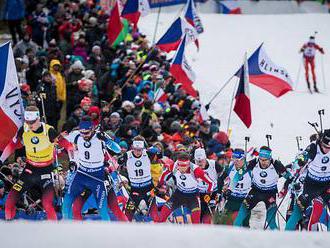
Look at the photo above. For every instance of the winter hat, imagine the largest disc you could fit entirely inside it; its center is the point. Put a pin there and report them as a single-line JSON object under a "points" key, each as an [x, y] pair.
{"points": [[127, 104], [115, 114], [129, 119], [200, 154], [77, 65], [221, 137], [94, 109], [138, 101], [85, 83], [88, 74], [123, 144], [92, 21]]}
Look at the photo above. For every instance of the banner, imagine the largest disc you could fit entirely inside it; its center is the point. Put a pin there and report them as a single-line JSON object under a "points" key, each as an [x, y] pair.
{"points": [[162, 3]]}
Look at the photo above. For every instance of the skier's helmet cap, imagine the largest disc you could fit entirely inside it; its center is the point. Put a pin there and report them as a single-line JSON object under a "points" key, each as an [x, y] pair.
{"points": [[265, 152], [183, 159], [326, 138], [200, 154], [138, 144], [85, 125], [238, 153], [31, 114]]}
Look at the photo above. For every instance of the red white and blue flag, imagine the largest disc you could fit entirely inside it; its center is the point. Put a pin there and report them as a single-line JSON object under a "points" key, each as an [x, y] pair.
{"points": [[230, 7], [267, 75], [133, 9], [173, 36], [160, 95], [242, 105], [181, 70], [11, 110], [192, 18]]}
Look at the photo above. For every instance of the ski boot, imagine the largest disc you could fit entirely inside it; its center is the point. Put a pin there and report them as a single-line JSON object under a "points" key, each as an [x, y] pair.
{"points": [[316, 89], [309, 87]]}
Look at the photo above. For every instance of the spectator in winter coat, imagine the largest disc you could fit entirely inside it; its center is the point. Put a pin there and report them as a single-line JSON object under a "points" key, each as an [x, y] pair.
{"points": [[14, 13], [55, 70], [21, 47], [94, 112], [72, 79], [47, 90]]}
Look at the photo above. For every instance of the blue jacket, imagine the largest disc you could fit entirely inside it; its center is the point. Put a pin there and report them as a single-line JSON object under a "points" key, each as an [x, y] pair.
{"points": [[14, 10]]}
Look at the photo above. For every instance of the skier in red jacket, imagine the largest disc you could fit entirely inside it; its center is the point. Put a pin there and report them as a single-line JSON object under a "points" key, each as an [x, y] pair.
{"points": [[309, 50]]}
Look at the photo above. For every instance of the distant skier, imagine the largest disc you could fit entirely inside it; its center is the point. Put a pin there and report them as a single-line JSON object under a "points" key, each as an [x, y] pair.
{"points": [[309, 50]]}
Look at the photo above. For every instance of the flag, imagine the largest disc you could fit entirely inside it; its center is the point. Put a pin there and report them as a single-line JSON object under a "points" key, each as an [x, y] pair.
{"points": [[11, 109], [242, 105], [181, 70], [133, 9], [192, 18], [230, 7], [115, 26], [203, 115], [160, 95], [267, 75], [173, 36]]}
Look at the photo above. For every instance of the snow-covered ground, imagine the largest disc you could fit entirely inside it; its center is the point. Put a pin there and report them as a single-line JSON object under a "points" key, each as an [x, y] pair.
{"points": [[222, 48], [88, 235]]}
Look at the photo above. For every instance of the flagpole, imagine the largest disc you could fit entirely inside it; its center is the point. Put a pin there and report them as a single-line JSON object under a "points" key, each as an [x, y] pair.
{"points": [[231, 105], [156, 26], [215, 96]]}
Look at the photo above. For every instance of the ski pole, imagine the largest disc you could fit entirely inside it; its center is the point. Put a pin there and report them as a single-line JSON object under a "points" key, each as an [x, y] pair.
{"points": [[321, 112], [299, 138], [268, 137], [298, 74], [277, 210], [315, 126]]}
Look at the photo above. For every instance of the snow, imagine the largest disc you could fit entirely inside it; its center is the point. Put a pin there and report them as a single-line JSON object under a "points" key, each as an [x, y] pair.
{"points": [[222, 47], [96, 234]]}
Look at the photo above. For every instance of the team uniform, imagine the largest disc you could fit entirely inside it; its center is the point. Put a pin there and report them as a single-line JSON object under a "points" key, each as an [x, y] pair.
{"points": [[186, 193], [309, 51], [239, 185], [90, 175], [316, 184], [208, 200], [39, 148], [138, 171], [263, 188]]}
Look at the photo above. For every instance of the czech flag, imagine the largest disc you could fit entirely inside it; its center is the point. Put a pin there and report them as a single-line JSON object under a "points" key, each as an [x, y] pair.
{"points": [[181, 71], [230, 7], [133, 9], [160, 95], [192, 18], [11, 106], [242, 105], [173, 36], [267, 75]]}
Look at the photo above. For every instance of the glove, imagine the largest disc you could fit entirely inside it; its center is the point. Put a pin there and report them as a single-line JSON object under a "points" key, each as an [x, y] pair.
{"points": [[72, 166], [207, 198], [297, 186], [227, 193], [101, 136], [212, 203]]}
